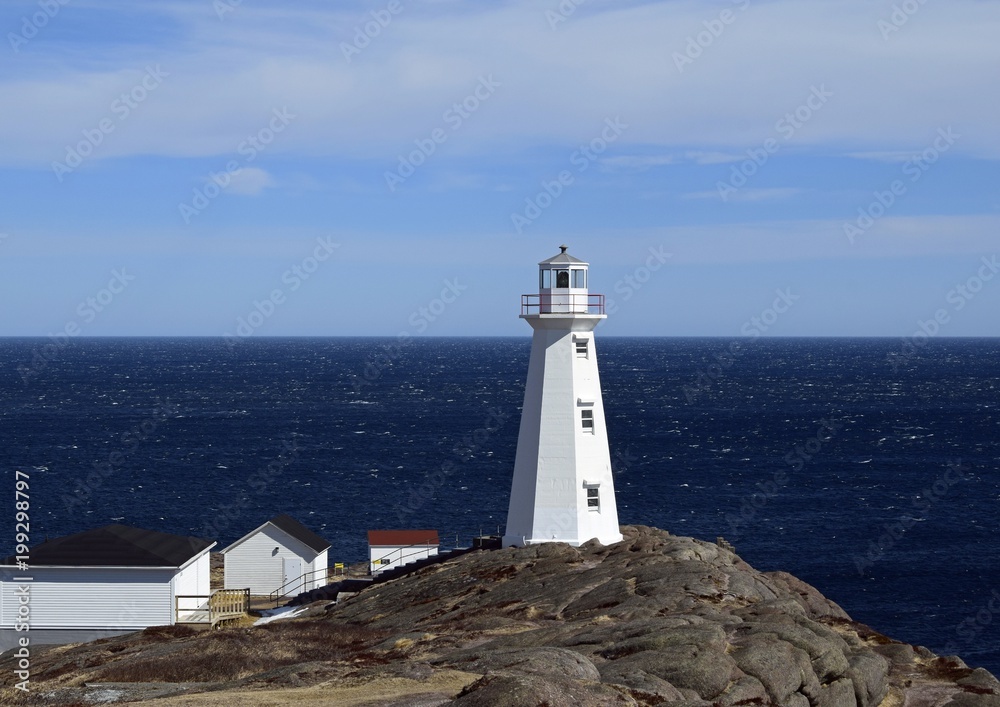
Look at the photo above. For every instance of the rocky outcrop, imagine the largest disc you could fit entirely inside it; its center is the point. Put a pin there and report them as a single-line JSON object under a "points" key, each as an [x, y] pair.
{"points": [[653, 620]]}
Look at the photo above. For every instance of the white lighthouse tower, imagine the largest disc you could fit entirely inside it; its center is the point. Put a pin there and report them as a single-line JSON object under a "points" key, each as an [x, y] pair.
{"points": [[563, 489]]}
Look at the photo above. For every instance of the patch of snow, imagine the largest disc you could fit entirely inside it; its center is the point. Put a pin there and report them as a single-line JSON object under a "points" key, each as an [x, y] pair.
{"points": [[284, 612]]}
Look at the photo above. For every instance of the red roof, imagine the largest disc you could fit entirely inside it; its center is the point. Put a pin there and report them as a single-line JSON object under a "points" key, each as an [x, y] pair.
{"points": [[402, 538]]}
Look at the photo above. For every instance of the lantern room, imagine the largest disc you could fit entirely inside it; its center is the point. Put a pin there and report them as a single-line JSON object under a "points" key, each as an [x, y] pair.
{"points": [[563, 288]]}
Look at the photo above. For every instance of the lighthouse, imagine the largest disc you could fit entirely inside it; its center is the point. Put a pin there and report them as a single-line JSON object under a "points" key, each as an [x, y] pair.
{"points": [[563, 490]]}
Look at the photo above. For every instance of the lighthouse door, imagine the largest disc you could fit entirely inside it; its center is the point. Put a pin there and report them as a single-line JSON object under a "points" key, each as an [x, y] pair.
{"points": [[292, 567]]}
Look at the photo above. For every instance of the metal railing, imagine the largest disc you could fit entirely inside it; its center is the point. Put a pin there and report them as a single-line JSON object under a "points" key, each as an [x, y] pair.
{"points": [[288, 587], [562, 304], [283, 591], [418, 549]]}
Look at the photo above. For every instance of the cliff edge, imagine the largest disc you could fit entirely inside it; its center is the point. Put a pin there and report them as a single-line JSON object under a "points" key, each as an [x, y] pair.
{"points": [[653, 620]]}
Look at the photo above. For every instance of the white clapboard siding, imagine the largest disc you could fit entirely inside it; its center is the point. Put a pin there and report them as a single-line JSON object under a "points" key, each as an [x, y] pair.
{"points": [[91, 597], [319, 566], [256, 562], [194, 578]]}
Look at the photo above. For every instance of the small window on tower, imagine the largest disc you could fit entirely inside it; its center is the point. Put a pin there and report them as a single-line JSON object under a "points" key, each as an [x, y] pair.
{"points": [[579, 278], [587, 417], [594, 499], [582, 348], [562, 278], [546, 282]]}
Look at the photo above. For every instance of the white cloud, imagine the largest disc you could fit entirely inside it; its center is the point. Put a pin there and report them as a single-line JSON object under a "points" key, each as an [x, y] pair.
{"points": [[637, 162], [706, 158], [558, 85], [747, 195], [250, 181]]}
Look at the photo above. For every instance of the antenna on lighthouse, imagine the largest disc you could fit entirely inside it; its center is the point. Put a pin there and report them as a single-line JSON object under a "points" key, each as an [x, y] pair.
{"points": [[563, 490]]}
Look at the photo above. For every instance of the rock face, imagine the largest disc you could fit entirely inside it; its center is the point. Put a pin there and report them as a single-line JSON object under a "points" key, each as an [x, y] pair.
{"points": [[653, 620], [657, 619]]}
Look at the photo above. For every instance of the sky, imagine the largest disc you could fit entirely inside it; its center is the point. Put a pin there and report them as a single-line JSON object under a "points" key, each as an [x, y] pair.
{"points": [[305, 168]]}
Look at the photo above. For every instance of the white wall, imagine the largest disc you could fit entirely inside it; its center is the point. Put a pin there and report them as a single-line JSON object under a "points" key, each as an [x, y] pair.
{"points": [[254, 563], [91, 598], [193, 580], [194, 577], [555, 457], [320, 564]]}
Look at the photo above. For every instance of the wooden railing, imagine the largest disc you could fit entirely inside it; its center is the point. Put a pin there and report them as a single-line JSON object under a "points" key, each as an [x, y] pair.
{"points": [[212, 609]]}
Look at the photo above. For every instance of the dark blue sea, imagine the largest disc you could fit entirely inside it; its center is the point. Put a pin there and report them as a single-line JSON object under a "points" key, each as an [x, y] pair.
{"points": [[868, 469]]}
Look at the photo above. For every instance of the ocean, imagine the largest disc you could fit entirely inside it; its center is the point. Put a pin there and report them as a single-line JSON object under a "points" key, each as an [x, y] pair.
{"points": [[867, 467]]}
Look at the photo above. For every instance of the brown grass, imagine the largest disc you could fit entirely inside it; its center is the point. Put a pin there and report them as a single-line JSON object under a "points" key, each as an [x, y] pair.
{"points": [[234, 654], [947, 670]]}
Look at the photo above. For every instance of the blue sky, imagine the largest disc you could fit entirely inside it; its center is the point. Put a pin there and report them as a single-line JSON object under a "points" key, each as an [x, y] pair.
{"points": [[843, 152]]}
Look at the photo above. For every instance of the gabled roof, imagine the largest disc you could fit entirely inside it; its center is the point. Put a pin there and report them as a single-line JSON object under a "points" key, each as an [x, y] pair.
{"points": [[289, 525], [563, 258], [117, 546], [403, 538], [300, 532]]}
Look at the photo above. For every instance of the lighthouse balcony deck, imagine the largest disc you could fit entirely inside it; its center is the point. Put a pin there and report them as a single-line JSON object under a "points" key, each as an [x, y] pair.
{"points": [[569, 303]]}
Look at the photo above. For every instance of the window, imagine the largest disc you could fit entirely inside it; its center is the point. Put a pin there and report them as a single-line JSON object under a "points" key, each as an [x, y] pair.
{"points": [[582, 348], [562, 278], [587, 418], [594, 499], [546, 282], [579, 278]]}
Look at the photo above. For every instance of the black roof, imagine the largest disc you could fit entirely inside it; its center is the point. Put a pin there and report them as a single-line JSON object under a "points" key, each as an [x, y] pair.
{"points": [[300, 532], [117, 545]]}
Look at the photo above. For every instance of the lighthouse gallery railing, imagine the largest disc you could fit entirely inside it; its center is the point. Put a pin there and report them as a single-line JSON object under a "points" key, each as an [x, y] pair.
{"points": [[562, 304]]}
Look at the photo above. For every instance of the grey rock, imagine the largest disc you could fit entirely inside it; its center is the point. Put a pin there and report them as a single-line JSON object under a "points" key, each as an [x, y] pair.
{"points": [[815, 604], [837, 694], [982, 680], [779, 666], [968, 699], [691, 667], [708, 636], [530, 661], [640, 681], [509, 690], [900, 653], [609, 594], [746, 690], [869, 672]]}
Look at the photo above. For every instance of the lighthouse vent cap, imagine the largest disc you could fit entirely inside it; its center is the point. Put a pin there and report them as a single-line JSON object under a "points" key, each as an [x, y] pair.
{"points": [[563, 258]]}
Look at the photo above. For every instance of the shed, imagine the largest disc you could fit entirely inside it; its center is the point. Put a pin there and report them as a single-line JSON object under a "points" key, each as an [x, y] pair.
{"points": [[393, 548], [282, 554], [111, 578]]}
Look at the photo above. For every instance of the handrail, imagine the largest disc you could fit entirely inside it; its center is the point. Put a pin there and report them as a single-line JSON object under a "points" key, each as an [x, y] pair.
{"points": [[277, 593], [426, 544], [562, 303]]}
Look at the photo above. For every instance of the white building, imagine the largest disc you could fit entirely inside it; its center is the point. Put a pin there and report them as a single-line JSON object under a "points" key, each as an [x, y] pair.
{"points": [[282, 554], [563, 489], [393, 548], [111, 578]]}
